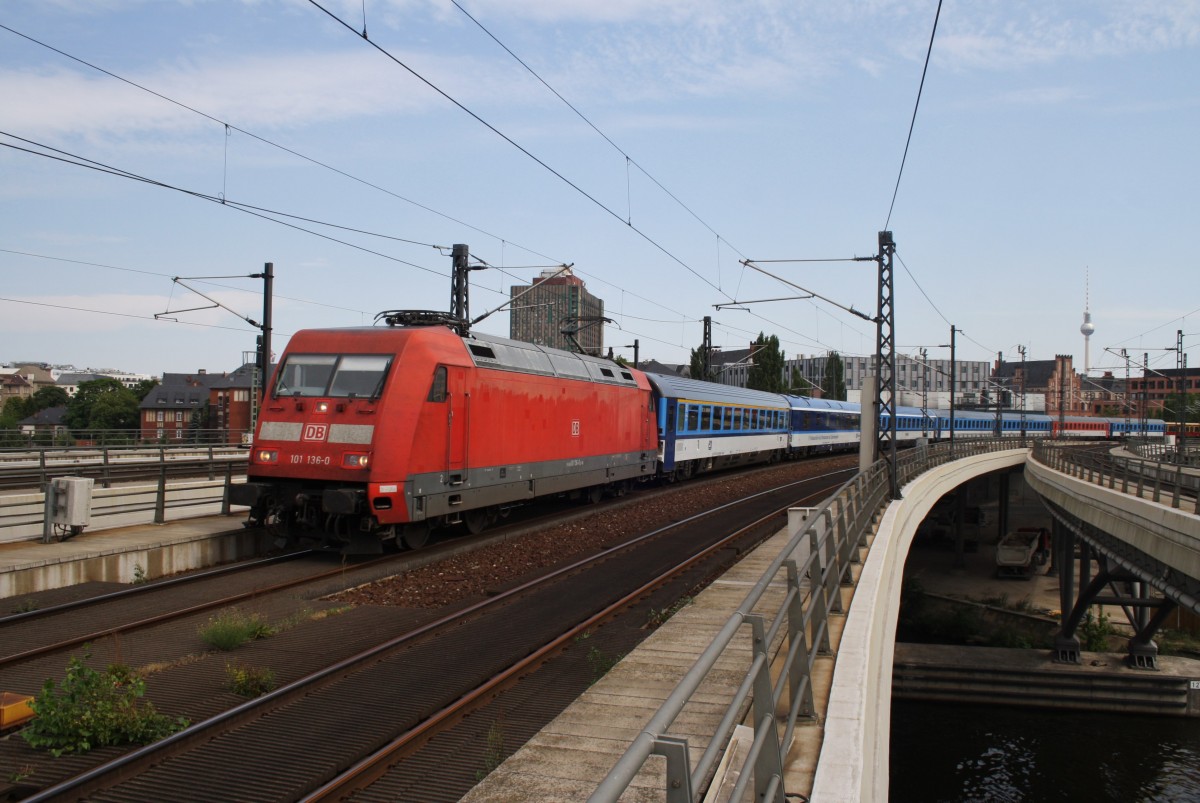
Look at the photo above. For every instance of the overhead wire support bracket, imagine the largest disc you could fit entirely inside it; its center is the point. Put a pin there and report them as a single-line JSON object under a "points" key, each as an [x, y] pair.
{"points": [[179, 281], [749, 263], [737, 304], [561, 269], [263, 364]]}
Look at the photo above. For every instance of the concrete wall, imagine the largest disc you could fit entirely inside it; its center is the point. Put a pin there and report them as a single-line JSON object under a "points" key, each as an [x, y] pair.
{"points": [[853, 765]]}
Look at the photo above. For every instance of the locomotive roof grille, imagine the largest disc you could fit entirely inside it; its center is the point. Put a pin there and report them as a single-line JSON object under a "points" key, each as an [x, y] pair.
{"points": [[489, 351]]}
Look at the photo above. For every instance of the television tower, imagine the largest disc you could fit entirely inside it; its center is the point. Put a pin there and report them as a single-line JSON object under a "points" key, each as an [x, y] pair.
{"points": [[1087, 327]]}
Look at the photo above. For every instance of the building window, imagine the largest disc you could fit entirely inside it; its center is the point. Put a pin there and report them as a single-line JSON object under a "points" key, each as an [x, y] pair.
{"points": [[159, 418]]}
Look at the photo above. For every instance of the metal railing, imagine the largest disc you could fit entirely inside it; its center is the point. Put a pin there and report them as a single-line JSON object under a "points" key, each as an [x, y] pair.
{"points": [[1162, 482], [822, 553], [23, 516], [62, 437], [33, 468], [1168, 453]]}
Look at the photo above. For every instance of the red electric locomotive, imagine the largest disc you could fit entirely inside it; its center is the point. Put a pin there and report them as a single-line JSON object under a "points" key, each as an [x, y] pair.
{"points": [[381, 433]]}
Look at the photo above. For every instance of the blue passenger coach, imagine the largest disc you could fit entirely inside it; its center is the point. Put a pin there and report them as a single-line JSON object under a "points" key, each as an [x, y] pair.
{"points": [[703, 426], [823, 425]]}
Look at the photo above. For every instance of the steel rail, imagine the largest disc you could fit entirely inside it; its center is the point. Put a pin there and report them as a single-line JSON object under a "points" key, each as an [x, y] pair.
{"points": [[136, 761], [374, 766]]}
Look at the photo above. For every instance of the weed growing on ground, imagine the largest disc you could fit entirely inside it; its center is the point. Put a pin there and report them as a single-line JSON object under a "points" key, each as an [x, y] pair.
{"points": [[232, 628], [139, 575], [601, 663], [494, 753], [1177, 642], [656, 618], [249, 681], [20, 774]]}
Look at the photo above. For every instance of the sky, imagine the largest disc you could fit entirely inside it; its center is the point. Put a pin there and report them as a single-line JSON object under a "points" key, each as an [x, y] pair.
{"points": [[655, 146]]}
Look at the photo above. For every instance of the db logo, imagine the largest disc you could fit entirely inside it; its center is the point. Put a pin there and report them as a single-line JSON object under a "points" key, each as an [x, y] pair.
{"points": [[315, 432], [575, 429]]}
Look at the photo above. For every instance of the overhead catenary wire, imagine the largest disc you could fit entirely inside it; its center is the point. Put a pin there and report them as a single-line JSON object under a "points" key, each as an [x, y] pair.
{"points": [[597, 202], [228, 126], [629, 160], [80, 161], [168, 276], [913, 122], [267, 213], [151, 318]]}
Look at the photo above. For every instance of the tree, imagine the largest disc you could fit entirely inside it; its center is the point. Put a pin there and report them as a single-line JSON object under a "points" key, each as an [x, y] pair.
{"points": [[102, 404], [143, 388], [835, 377], [114, 411], [15, 408], [766, 373], [47, 397], [696, 367], [798, 385], [1191, 407]]}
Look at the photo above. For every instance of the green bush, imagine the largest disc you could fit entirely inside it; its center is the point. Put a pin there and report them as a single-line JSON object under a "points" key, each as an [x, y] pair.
{"points": [[1094, 632], [95, 709], [233, 628]]}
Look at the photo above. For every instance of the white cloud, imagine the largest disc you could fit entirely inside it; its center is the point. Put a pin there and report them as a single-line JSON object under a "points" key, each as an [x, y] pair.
{"points": [[1007, 34]]}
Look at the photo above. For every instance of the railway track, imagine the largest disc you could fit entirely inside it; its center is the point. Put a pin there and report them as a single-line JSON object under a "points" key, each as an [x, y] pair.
{"points": [[357, 679]]}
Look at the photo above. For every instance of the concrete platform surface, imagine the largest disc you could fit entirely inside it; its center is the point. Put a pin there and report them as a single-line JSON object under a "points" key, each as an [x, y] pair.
{"points": [[123, 554]]}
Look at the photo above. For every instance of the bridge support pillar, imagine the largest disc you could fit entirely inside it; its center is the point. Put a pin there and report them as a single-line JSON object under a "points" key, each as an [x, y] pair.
{"points": [[1066, 643], [1143, 654], [1066, 649]]}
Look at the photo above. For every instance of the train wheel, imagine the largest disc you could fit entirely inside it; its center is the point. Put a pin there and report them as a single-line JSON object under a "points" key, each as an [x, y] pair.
{"points": [[594, 494], [416, 535], [476, 521]]}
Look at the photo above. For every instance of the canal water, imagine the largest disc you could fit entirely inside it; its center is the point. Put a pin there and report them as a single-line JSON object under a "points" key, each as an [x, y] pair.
{"points": [[953, 752]]}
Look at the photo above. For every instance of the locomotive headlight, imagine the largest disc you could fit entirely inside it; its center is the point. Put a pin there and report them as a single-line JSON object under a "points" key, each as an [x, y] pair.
{"points": [[322, 407], [355, 460], [266, 456]]}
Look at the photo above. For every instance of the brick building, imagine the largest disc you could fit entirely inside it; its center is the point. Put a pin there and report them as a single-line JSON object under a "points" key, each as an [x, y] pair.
{"points": [[206, 407], [1151, 390]]}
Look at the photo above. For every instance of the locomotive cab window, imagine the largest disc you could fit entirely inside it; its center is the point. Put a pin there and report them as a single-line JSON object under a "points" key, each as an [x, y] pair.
{"points": [[437, 391], [360, 376], [347, 376], [305, 374]]}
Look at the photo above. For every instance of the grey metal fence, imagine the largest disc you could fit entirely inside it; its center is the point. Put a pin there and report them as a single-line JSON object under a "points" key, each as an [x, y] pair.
{"points": [[1167, 483], [816, 561]]}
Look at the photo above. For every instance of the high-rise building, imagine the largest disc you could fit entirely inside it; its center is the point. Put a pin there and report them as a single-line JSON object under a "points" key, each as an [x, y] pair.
{"points": [[557, 310]]}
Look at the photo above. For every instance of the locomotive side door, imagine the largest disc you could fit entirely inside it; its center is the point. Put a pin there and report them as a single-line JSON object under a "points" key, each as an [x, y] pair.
{"points": [[458, 420]]}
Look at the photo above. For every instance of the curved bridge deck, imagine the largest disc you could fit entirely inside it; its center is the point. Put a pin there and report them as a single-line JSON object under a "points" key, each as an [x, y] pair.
{"points": [[841, 751]]}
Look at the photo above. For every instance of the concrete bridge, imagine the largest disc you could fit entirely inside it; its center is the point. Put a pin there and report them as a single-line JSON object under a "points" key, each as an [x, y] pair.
{"points": [[1120, 514]]}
